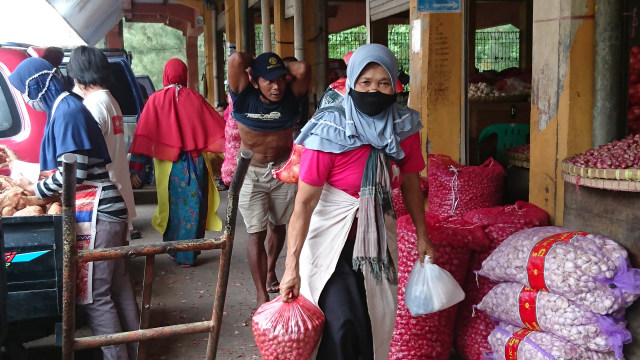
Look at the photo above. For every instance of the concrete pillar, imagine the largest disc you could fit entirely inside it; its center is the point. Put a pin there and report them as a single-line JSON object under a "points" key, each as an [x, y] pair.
{"points": [[437, 91], [606, 92], [283, 29], [561, 95], [298, 30], [315, 48], [265, 14]]}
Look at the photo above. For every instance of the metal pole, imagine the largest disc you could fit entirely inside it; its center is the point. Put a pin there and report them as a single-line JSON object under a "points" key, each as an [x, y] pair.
{"points": [[225, 256], [607, 72], [69, 253], [298, 30], [265, 13], [145, 314]]}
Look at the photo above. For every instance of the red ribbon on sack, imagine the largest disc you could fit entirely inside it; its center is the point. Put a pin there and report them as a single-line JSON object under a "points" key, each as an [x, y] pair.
{"points": [[528, 314], [511, 348], [535, 267]]}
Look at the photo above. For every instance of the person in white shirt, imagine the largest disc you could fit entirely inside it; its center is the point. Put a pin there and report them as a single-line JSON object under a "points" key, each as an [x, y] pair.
{"points": [[89, 69]]}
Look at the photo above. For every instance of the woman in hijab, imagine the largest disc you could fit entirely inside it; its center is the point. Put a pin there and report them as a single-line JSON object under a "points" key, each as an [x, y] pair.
{"points": [[181, 132], [104, 287], [341, 251]]}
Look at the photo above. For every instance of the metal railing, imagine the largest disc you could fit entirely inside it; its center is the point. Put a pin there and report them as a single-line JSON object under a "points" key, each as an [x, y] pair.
{"points": [[72, 257], [497, 50]]}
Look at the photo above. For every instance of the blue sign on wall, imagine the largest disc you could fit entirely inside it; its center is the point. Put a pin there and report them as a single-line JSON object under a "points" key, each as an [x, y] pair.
{"points": [[435, 6]]}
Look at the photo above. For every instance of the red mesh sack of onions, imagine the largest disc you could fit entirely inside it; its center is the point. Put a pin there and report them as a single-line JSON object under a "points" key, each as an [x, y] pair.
{"points": [[426, 337], [231, 146], [456, 189], [473, 327], [501, 222], [591, 270], [456, 231], [543, 311], [619, 154], [398, 202], [285, 331], [289, 171], [514, 343]]}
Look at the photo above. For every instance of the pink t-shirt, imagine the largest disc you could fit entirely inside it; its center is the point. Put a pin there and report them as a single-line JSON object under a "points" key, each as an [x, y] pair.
{"points": [[344, 171]]}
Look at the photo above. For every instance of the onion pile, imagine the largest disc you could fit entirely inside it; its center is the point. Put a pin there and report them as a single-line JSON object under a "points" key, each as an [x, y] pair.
{"points": [[455, 189], [540, 346], [556, 315], [284, 331], [288, 173], [585, 270], [426, 337], [231, 146], [521, 149], [619, 154]]}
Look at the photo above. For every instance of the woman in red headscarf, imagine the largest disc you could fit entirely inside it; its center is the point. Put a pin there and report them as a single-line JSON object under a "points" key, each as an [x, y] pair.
{"points": [[181, 132]]}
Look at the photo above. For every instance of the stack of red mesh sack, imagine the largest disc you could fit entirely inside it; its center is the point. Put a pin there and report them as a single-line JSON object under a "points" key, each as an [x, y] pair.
{"points": [[454, 189], [498, 223], [231, 145]]}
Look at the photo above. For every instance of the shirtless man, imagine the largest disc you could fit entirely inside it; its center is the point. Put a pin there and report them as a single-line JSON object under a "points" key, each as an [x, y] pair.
{"points": [[266, 108]]}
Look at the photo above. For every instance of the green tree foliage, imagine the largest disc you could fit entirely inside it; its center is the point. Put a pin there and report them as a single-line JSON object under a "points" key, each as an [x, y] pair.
{"points": [[152, 44]]}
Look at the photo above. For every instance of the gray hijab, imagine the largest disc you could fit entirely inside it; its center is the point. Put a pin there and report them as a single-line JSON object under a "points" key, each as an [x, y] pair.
{"points": [[337, 129]]}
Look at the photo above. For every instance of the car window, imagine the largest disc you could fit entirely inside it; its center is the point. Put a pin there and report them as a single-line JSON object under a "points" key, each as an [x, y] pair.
{"points": [[10, 123], [120, 88]]}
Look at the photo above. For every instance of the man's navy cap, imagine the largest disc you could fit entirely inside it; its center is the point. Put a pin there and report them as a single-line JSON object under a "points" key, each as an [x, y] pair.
{"points": [[268, 66]]}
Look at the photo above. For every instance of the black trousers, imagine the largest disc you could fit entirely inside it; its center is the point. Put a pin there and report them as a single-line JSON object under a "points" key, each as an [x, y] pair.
{"points": [[347, 329]]}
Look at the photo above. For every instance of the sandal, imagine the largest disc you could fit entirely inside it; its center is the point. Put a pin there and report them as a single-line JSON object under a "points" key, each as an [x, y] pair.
{"points": [[135, 234], [274, 287]]}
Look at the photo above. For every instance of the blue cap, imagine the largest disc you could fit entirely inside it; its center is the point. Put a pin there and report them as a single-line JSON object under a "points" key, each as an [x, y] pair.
{"points": [[268, 66]]}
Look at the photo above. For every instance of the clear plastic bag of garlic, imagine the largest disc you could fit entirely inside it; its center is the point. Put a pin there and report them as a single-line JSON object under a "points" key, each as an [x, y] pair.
{"points": [[482, 89], [540, 310], [538, 345], [591, 270]]}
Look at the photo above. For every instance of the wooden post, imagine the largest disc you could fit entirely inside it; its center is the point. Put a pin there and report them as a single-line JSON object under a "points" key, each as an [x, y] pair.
{"points": [[561, 95], [283, 29], [437, 42]]}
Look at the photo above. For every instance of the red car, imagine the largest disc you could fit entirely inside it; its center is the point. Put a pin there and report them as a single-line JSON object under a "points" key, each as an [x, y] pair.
{"points": [[21, 127]]}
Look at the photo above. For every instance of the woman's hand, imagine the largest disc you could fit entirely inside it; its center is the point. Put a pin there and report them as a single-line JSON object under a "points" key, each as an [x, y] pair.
{"points": [[425, 247], [136, 183], [290, 284]]}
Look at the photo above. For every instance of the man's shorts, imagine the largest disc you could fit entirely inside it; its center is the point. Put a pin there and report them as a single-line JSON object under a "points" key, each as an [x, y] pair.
{"points": [[264, 197]]}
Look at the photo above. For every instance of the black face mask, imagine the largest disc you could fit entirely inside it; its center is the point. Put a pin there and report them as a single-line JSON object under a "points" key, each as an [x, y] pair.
{"points": [[371, 103]]}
